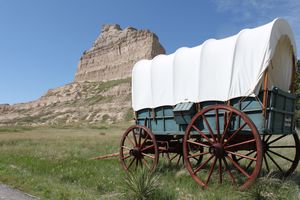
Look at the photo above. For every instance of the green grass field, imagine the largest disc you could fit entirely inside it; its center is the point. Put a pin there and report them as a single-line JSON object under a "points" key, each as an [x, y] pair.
{"points": [[53, 163]]}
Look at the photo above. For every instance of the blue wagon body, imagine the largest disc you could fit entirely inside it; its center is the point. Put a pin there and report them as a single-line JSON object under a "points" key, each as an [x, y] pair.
{"points": [[173, 120]]}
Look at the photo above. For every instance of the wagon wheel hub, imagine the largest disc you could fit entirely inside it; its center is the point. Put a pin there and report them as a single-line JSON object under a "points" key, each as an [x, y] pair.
{"points": [[136, 152], [217, 149]]}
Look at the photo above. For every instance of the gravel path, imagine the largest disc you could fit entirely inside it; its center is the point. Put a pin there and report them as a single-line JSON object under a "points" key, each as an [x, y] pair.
{"points": [[7, 193]]}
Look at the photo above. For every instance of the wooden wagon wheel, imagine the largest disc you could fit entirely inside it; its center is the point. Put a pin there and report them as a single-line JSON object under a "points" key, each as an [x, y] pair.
{"points": [[138, 148], [230, 133], [281, 153]]}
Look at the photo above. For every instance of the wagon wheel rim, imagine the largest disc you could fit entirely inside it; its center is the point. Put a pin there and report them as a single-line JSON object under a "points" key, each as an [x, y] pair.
{"points": [[220, 148], [281, 153], [138, 149]]}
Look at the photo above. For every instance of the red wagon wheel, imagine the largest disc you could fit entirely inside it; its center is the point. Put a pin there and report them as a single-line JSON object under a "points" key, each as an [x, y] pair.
{"points": [[281, 153], [138, 148], [223, 132]]}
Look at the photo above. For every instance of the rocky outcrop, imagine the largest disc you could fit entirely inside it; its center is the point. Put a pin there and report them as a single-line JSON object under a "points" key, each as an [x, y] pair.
{"points": [[114, 53]]}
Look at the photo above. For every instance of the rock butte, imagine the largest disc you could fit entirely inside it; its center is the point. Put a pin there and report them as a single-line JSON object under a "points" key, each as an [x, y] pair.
{"points": [[101, 88], [114, 53]]}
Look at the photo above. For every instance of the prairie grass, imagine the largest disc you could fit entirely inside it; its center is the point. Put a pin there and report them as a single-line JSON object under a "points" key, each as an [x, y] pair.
{"points": [[54, 163]]}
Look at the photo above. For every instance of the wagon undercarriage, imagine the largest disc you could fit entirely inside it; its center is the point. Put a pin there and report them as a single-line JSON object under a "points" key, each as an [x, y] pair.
{"points": [[217, 151]]}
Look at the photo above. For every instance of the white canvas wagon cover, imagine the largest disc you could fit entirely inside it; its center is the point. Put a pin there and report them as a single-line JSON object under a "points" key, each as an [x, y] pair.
{"points": [[217, 69]]}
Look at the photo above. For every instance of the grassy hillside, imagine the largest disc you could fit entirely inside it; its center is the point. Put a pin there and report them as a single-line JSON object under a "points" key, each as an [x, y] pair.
{"points": [[74, 104]]}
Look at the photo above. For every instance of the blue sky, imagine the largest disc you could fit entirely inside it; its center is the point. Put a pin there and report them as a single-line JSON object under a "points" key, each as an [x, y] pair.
{"points": [[41, 41]]}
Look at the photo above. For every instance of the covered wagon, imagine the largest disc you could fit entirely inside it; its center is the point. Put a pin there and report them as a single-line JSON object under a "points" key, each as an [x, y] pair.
{"points": [[227, 107]]}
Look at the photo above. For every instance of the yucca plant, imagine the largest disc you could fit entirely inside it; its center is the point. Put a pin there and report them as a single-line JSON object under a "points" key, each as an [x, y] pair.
{"points": [[140, 184]]}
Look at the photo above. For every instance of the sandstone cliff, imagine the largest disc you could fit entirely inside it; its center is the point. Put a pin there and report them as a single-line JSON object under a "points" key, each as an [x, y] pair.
{"points": [[114, 53], [101, 90]]}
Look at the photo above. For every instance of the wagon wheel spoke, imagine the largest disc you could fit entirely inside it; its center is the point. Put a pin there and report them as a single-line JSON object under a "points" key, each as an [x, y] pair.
{"points": [[226, 127], [211, 169], [146, 138], [131, 141], [202, 134], [209, 128], [148, 147], [275, 163], [124, 147], [144, 154], [248, 154], [250, 163], [146, 163], [281, 156], [174, 157], [136, 163], [168, 156], [228, 171], [275, 140], [178, 160], [280, 147], [239, 144], [241, 155], [266, 163], [197, 155], [218, 125], [220, 171], [196, 159], [268, 138], [235, 133], [131, 162], [134, 137], [127, 157], [140, 136], [198, 143], [239, 167], [203, 165]]}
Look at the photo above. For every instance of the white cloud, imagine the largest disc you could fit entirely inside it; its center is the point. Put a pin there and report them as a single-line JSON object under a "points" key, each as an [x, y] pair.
{"points": [[250, 13]]}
